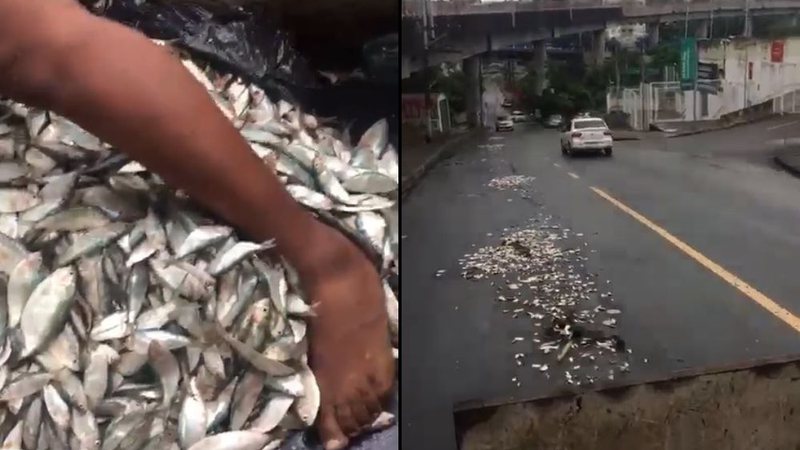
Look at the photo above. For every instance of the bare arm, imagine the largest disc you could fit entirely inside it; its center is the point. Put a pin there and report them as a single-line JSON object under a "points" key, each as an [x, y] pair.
{"points": [[115, 83]]}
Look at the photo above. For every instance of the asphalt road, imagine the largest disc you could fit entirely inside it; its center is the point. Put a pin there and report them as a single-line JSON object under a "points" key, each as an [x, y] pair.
{"points": [[717, 192]]}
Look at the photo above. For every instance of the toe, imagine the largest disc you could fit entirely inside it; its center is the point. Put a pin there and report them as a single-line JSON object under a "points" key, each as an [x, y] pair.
{"points": [[382, 386], [360, 413], [329, 431], [372, 403], [346, 420]]}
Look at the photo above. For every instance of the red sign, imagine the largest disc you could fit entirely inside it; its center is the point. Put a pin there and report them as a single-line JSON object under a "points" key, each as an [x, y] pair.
{"points": [[413, 106], [776, 51]]}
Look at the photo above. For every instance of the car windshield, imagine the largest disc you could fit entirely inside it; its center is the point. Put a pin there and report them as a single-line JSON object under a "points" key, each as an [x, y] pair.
{"points": [[591, 123], [502, 118]]}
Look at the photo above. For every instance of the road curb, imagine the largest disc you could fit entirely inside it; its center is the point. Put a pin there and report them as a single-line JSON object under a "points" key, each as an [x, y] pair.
{"points": [[780, 159], [408, 183], [620, 139], [718, 128]]}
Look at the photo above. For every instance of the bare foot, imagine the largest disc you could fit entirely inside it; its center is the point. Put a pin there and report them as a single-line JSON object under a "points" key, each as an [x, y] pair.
{"points": [[350, 350]]}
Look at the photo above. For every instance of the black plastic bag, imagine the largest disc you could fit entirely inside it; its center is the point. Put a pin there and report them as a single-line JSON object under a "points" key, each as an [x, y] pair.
{"points": [[236, 40], [243, 42]]}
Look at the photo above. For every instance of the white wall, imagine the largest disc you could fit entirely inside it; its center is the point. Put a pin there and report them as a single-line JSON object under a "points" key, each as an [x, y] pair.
{"points": [[769, 79]]}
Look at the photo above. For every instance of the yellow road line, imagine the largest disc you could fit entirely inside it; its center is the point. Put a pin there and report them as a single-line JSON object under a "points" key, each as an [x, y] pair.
{"points": [[762, 300], [573, 175]]}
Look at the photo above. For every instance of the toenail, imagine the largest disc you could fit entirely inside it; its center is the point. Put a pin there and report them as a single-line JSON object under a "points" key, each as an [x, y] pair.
{"points": [[333, 444]]}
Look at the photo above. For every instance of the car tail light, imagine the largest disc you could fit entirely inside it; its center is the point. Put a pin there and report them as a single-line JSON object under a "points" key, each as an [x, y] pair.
{"points": [[576, 135], [607, 133]]}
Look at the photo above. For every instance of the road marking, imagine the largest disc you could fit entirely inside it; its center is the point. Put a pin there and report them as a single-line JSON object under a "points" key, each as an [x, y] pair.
{"points": [[765, 302], [777, 127], [556, 164], [573, 175]]}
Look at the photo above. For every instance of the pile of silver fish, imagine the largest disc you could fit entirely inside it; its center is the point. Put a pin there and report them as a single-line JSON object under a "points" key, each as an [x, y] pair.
{"points": [[540, 277], [132, 319], [512, 182]]}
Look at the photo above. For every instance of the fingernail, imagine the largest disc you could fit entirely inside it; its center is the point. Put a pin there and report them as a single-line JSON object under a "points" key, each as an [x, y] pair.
{"points": [[333, 444]]}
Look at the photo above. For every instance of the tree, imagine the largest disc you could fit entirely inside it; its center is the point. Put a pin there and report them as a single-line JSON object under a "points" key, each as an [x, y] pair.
{"points": [[453, 85]]}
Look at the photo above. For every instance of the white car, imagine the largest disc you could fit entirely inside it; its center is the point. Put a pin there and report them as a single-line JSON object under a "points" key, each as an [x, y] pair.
{"points": [[587, 134], [504, 123], [518, 116]]}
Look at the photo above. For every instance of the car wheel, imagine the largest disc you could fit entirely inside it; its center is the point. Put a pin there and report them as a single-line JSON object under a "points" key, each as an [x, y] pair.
{"points": [[608, 151]]}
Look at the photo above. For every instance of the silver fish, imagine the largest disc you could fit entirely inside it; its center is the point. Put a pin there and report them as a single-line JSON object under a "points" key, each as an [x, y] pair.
{"points": [[245, 397], [272, 413], [167, 368], [241, 250], [11, 253], [202, 237], [25, 385], [93, 240], [233, 440], [192, 420], [74, 219], [11, 171], [25, 276], [47, 309], [57, 408], [309, 197], [17, 200]]}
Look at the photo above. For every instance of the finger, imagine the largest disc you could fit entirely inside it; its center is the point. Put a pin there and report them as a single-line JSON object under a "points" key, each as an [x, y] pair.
{"points": [[346, 420], [329, 431], [371, 402], [360, 413]]}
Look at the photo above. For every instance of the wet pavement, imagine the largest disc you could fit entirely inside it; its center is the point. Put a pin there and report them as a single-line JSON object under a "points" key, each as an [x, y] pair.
{"points": [[718, 192]]}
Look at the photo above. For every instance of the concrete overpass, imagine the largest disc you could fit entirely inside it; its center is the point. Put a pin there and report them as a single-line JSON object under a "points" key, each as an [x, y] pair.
{"points": [[463, 30]]}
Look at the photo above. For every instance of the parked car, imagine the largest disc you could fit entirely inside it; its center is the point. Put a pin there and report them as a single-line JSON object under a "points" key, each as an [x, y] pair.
{"points": [[554, 121], [519, 116], [586, 134], [504, 123]]}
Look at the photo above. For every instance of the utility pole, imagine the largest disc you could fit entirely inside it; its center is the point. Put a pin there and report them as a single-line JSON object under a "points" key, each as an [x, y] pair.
{"points": [[686, 21], [711, 22], [426, 75], [748, 24]]}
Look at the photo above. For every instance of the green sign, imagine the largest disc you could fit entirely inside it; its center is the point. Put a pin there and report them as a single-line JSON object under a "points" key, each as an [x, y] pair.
{"points": [[688, 61]]}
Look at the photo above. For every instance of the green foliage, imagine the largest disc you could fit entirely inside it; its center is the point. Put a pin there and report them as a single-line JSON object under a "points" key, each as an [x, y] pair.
{"points": [[666, 54], [453, 85]]}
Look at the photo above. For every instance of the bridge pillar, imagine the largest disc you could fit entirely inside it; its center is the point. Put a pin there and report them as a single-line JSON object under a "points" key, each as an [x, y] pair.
{"points": [[598, 53], [472, 72], [701, 32], [653, 34], [540, 65]]}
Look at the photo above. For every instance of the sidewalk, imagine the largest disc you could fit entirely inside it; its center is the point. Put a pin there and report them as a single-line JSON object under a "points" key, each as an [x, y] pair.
{"points": [[417, 157]]}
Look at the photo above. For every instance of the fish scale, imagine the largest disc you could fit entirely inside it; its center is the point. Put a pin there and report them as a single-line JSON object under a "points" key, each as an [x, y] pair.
{"points": [[148, 323]]}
